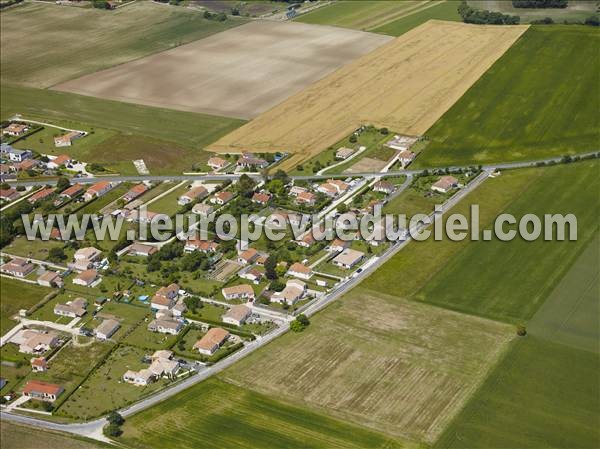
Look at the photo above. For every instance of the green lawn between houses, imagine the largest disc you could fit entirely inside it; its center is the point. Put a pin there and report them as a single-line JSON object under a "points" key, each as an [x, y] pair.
{"points": [[215, 414], [540, 99], [16, 295]]}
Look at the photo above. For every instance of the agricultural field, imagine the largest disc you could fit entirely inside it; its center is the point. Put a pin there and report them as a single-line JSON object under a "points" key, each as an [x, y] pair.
{"points": [[402, 86], [15, 436], [249, 55], [39, 49], [446, 10], [363, 15], [396, 366], [539, 100], [215, 414], [576, 10], [542, 394], [530, 270], [175, 137], [17, 295]]}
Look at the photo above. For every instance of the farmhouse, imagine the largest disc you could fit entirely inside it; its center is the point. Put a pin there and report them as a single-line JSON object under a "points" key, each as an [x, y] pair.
{"points": [[217, 163], [247, 257], [39, 364], [15, 129], [237, 315], [40, 195], [73, 309], [348, 258], [300, 271], [294, 291], [8, 194], [242, 291], [221, 198], [59, 161], [141, 249], [203, 209], [445, 184], [97, 190], [44, 391], [211, 341], [384, 187], [86, 278], [106, 329], [204, 246], [194, 194], [32, 341], [344, 153], [19, 268], [135, 191]]}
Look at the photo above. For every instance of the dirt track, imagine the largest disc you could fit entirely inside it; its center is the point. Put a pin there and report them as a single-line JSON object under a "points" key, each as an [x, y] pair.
{"points": [[239, 73], [405, 85]]}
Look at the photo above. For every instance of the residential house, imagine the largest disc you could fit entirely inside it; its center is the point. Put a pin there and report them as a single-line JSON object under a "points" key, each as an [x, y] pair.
{"points": [[204, 246], [106, 329], [71, 192], [297, 190], [86, 278], [97, 190], [252, 275], [19, 268], [202, 209], [406, 157], [9, 194], [27, 164], [44, 391], [348, 258], [14, 154], [333, 187], [338, 245], [165, 298], [139, 378], [261, 198], [15, 129], [141, 249], [401, 143], [40, 195], [194, 194], [59, 161], [211, 341], [221, 198], [248, 257], [248, 160], [242, 291], [67, 139], [445, 184], [307, 198], [217, 163], [384, 187], [39, 364], [237, 315], [134, 192], [50, 279], [166, 326], [292, 293], [145, 216], [73, 309], [164, 366], [300, 271], [32, 341], [85, 257], [344, 153]]}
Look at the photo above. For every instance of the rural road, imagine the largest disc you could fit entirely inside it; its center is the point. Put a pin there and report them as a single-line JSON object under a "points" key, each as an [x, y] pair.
{"points": [[93, 429], [205, 177]]}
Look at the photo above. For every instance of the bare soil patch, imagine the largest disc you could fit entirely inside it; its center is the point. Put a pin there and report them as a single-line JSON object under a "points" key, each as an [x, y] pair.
{"points": [[239, 73]]}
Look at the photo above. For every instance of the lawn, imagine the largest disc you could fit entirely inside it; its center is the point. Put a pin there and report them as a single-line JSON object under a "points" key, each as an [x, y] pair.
{"points": [[168, 204], [17, 295], [96, 205], [38, 48], [34, 249], [176, 138], [440, 11], [361, 15], [46, 312], [399, 367], [576, 10], [141, 337], [215, 414], [16, 436], [541, 395], [514, 278], [540, 99]]}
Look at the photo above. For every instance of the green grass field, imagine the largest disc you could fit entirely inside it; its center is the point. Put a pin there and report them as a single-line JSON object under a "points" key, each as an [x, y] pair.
{"points": [[176, 138], [529, 270], [541, 395], [215, 414], [16, 295], [539, 99], [39, 47], [576, 10], [16, 436], [440, 11]]}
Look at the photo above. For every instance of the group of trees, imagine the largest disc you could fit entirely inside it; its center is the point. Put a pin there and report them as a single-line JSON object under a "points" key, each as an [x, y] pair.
{"points": [[482, 17], [542, 4], [300, 323], [115, 421]]}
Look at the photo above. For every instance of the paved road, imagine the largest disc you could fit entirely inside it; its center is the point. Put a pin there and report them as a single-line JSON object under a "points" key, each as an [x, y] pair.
{"points": [[217, 177]]}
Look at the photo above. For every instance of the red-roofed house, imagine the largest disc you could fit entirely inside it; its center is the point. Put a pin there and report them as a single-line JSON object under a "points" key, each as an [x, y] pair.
{"points": [[36, 389], [59, 161], [97, 190]]}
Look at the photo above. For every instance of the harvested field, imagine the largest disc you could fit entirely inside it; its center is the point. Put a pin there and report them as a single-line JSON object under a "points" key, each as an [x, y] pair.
{"points": [[397, 366], [225, 74], [405, 85]]}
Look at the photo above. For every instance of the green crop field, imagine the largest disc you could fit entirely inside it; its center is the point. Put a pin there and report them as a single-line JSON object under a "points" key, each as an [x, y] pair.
{"points": [[17, 295], [215, 414], [541, 395], [440, 11], [540, 99], [576, 10], [570, 314], [529, 270], [43, 44], [15, 436], [361, 15], [169, 140]]}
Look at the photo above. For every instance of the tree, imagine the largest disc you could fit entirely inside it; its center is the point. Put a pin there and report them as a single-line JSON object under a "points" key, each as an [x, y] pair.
{"points": [[303, 319], [115, 417], [271, 267], [153, 264], [62, 184], [592, 21], [56, 255], [300, 323], [193, 303], [282, 176], [353, 138], [246, 186], [342, 208], [277, 285], [112, 430]]}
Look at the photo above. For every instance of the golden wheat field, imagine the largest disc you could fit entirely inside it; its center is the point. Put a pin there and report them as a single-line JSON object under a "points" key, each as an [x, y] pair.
{"points": [[405, 85]]}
